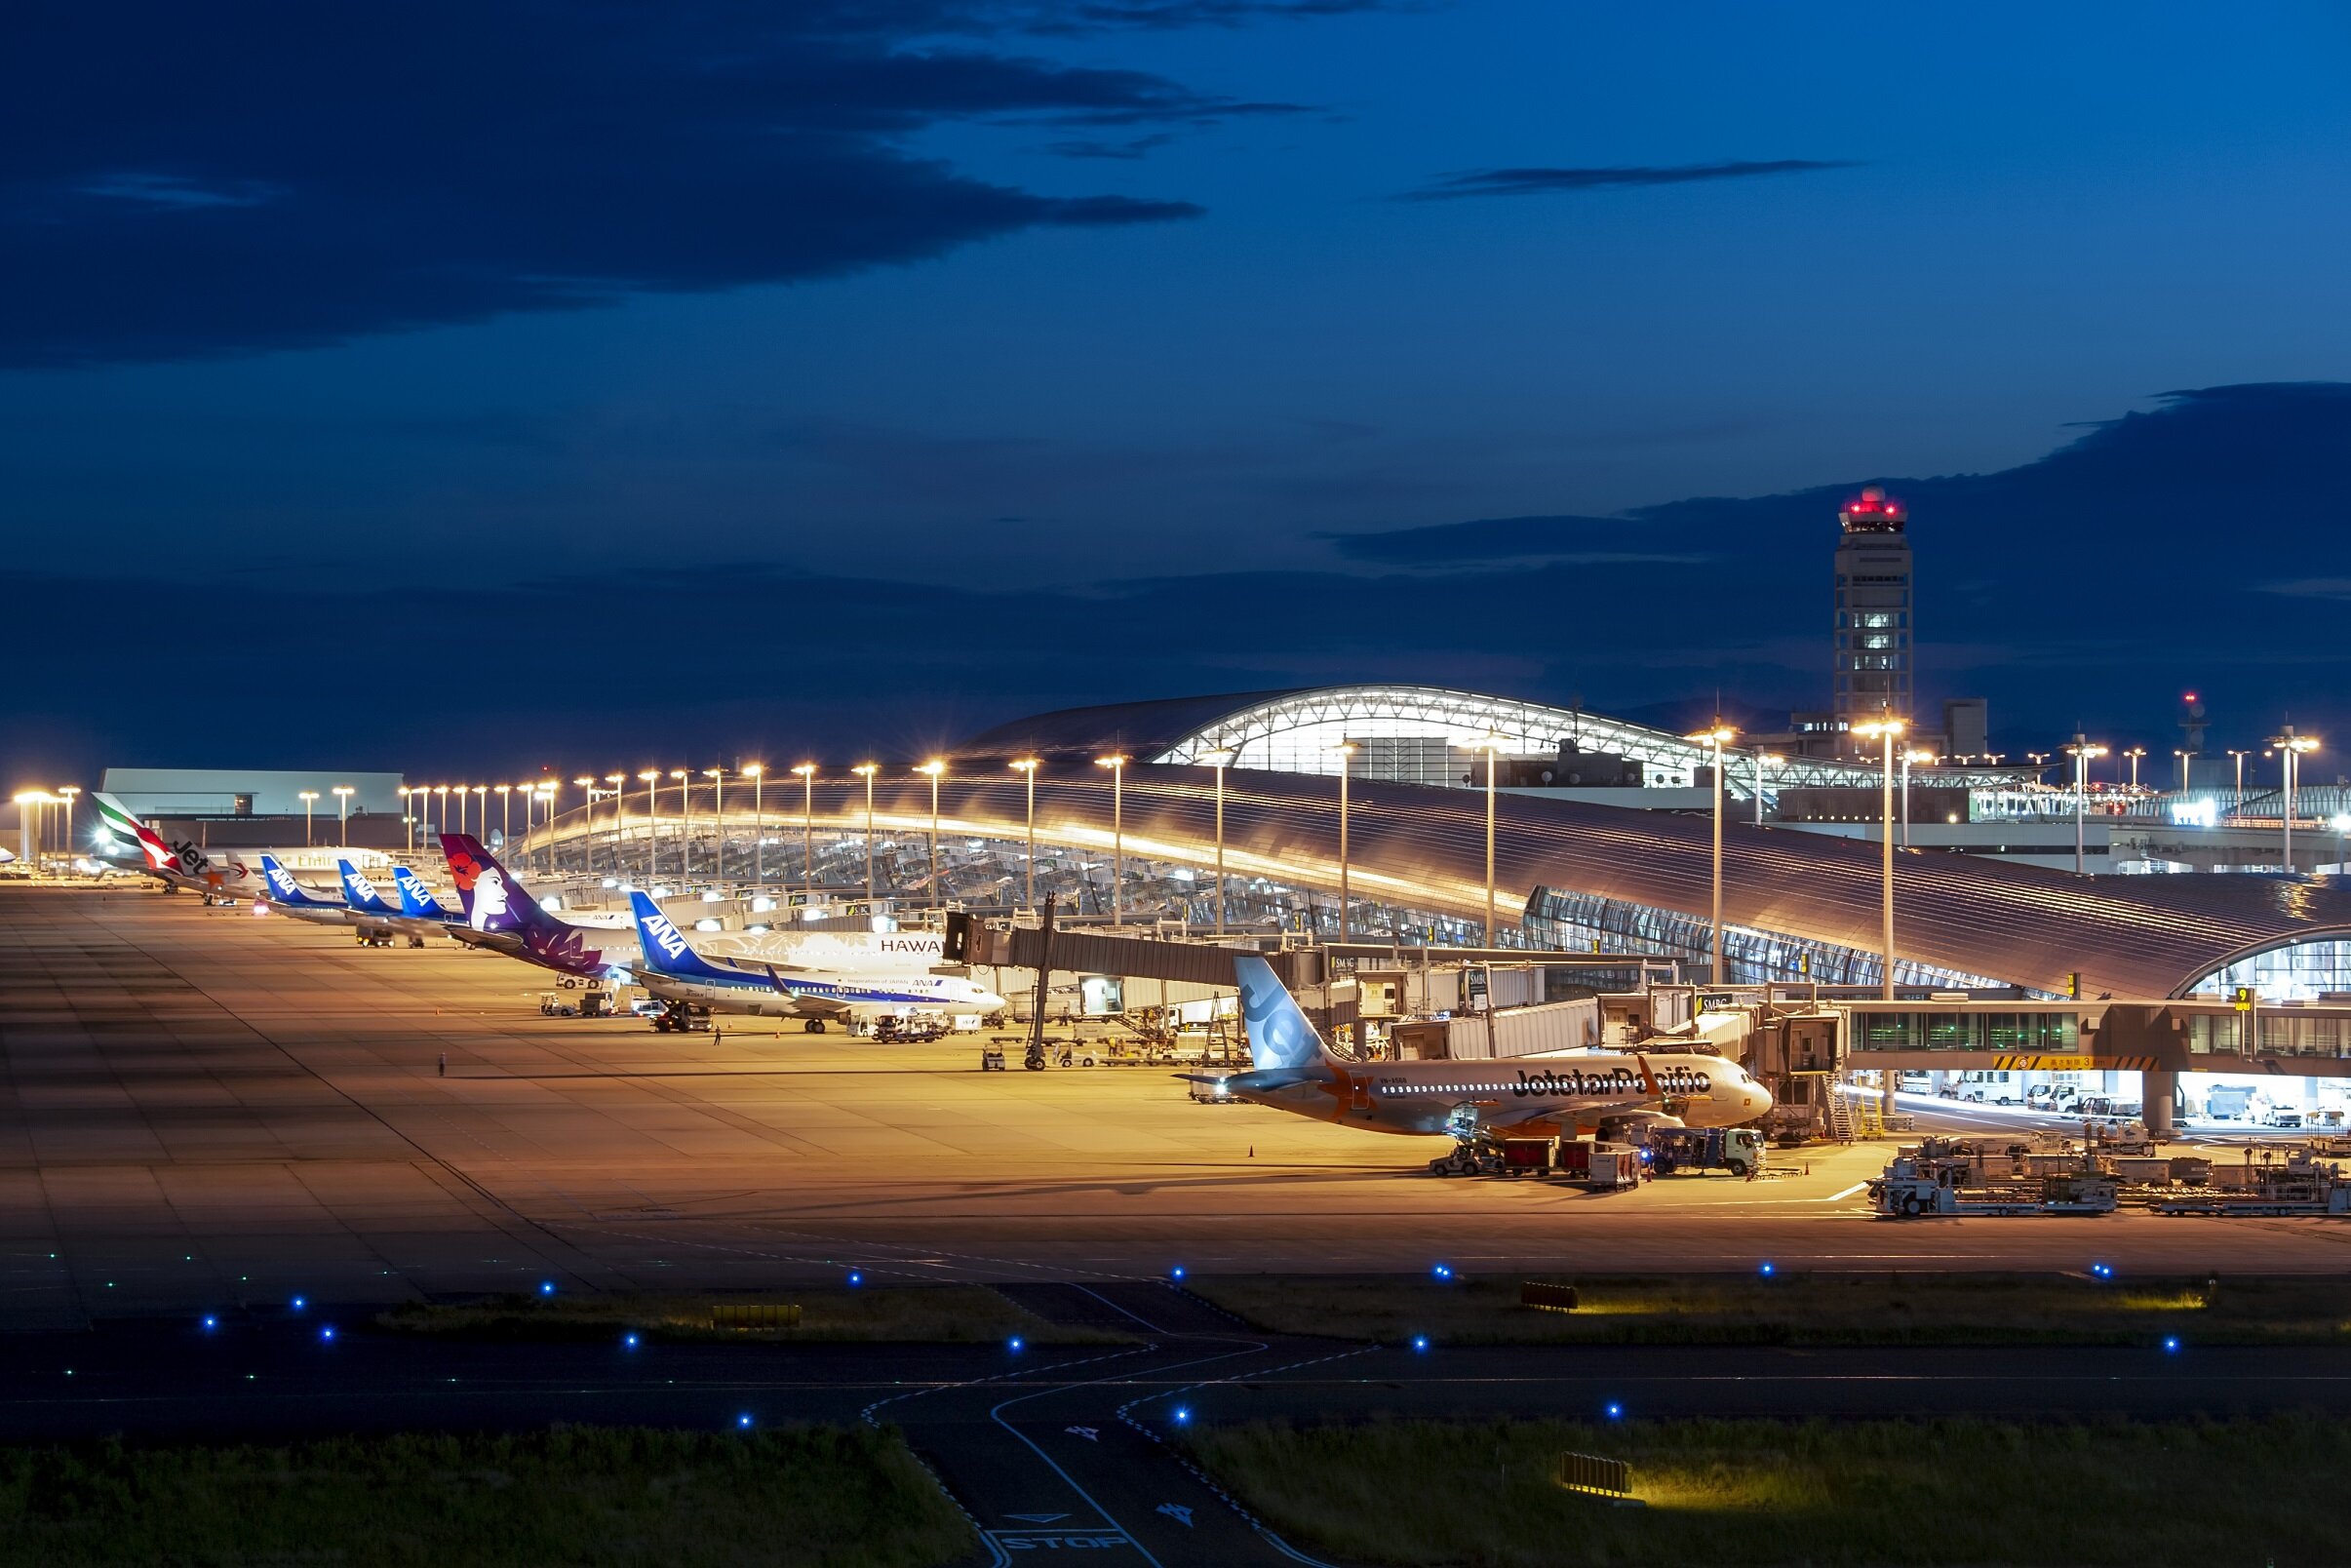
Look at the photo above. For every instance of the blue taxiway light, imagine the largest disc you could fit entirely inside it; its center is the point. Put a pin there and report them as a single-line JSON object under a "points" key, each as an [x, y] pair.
{"points": [[1015, 1344], [628, 1342], [1767, 1270], [2171, 1344], [546, 1287], [300, 1303], [1181, 1415], [1443, 1271], [856, 1277], [1419, 1342], [1177, 1273], [743, 1421], [327, 1333], [210, 1323], [1616, 1412], [2102, 1270]]}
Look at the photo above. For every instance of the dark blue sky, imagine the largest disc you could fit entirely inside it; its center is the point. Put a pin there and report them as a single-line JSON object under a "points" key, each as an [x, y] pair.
{"points": [[587, 380]]}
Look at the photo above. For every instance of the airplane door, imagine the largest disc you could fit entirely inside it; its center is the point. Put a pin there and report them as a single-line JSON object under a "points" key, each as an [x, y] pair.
{"points": [[1359, 1097]]}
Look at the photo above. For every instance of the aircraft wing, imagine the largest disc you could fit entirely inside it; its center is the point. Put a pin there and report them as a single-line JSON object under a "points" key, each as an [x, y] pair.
{"points": [[1493, 1113]]}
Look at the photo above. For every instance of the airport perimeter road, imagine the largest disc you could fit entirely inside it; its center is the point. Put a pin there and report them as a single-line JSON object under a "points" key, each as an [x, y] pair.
{"points": [[202, 1106]]}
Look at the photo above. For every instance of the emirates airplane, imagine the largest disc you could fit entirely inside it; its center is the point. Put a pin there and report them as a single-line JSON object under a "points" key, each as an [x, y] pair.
{"points": [[1565, 1095]]}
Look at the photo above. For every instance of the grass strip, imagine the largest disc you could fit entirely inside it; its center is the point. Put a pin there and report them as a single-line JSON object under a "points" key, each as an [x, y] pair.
{"points": [[952, 1315], [1761, 1494], [1795, 1309], [813, 1495]]}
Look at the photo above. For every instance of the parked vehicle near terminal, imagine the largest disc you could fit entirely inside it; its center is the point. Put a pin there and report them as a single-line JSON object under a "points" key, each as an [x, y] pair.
{"points": [[1737, 1149]]}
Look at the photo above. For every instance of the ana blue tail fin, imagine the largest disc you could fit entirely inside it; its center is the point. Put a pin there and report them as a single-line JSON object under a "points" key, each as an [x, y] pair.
{"points": [[284, 888], [413, 899], [665, 948], [360, 893], [1280, 1035]]}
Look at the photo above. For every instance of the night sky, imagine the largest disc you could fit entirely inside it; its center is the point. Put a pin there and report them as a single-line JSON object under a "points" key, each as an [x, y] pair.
{"points": [[470, 386]]}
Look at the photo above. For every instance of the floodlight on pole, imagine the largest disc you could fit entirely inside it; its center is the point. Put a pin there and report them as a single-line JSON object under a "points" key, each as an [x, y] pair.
{"points": [[1924, 759], [718, 816], [442, 789], [342, 809], [866, 771], [685, 824], [2291, 749], [2080, 751], [651, 778], [1027, 767], [2237, 807], [505, 794], [1490, 744], [1887, 729], [1117, 763], [1220, 759], [807, 825], [757, 773], [408, 819], [934, 767], [1345, 750], [1717, 736]]}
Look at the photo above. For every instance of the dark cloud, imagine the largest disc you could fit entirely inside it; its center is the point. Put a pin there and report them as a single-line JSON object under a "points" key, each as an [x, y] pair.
{"points": [[179, 181], [1134, 147], [1552, 181]]}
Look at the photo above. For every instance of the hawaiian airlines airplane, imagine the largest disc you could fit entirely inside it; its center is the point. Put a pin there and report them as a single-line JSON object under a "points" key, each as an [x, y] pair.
{"points": [[501, 916], [674, 971], [1566, 1093]]}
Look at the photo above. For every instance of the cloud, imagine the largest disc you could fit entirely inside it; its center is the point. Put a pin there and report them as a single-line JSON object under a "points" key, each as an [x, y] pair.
{"points": [[1135, 148], [1550, 182], [183, 182]]}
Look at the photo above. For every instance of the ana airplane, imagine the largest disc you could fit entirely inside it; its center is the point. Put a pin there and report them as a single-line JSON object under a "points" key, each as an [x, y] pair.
{"points": [[1567, 1093], [426, 918], [288, 897], [499, 915], [674, 971], [218, 876]]}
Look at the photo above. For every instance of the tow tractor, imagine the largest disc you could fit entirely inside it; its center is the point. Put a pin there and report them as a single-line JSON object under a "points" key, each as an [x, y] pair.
{"points": [[681, 1016], [1932, 1179], [2299, 1185]]}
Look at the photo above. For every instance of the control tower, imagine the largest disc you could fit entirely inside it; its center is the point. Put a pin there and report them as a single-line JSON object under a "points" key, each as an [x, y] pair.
{"points": [[1873, 626]]}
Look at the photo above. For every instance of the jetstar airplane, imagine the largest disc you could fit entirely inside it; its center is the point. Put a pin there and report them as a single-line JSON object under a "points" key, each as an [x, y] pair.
{"points": [[1567, 1093], [674, 971], [219, 875]]}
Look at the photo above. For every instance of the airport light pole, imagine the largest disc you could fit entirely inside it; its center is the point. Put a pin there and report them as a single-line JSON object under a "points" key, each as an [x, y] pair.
{"points": [[934, 767], [442, 789], [1923, 759], [66, 792], [482, 809], [343, 811], [2291, 749], [2183, 757], [1717, 971], [2080, 751], [866, 771], [546, 792], [2237, 807], [1117, 763], [620, 817], [652, 778], [505, 794], [408, 818], [306, 797], [757, 773], [685, 826], [1764, 760], [1345, 751], [1490, 744], [718, 812], [1220, 758], [2135, 753], [587, 822], [807, 826], [1025, 767], [1886, 730]]}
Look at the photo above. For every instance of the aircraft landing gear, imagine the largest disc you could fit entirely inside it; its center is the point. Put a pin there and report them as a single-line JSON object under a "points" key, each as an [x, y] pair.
{"points": [[814, 1026]]}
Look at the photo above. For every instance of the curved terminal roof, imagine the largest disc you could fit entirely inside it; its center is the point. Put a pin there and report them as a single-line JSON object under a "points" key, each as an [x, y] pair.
{"points": [[1298, 730], [1423, 848]]}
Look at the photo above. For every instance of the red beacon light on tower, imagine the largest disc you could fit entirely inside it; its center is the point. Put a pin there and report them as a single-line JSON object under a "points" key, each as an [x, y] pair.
{"points": [[1873, 512]]}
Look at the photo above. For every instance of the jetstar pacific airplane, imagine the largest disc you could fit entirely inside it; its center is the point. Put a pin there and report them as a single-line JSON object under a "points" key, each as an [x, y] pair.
{"points": [[219, 875], [1567, 1093]]}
